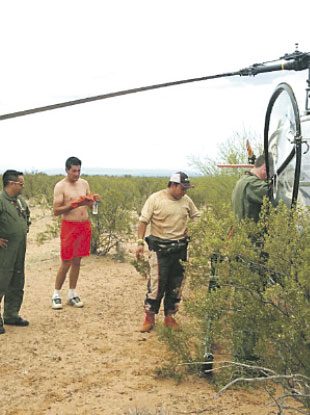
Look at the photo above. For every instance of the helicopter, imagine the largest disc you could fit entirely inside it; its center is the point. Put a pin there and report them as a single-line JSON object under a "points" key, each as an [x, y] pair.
{"points": [[286, 134], [286, 131], [286, 139]]}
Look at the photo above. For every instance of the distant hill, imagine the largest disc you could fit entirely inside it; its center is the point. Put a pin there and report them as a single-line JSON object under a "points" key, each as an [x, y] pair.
{"points": [[122, 172]]}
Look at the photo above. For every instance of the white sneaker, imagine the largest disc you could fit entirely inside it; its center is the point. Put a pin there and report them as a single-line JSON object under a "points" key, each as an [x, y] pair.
{"points": [[56, 303], [75, 302]]}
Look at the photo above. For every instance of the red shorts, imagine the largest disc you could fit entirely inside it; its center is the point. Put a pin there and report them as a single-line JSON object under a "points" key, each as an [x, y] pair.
{"points": [[75, 239]]}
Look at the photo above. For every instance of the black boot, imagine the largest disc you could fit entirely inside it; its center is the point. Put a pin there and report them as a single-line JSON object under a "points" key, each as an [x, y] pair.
{"points": [[16, 321], [1, 326], [1, 321], [208, 366]]}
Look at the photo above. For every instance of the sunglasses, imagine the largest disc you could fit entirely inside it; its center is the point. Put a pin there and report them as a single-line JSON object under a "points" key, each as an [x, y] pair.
{"points": [[21, 183]]}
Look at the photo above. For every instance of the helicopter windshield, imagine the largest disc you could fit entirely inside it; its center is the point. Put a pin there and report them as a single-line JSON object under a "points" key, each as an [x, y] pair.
{"points": [[304, 183]]}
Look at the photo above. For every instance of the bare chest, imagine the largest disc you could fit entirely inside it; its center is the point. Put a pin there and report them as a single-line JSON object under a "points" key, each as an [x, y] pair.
{"points": [[74, 191]]}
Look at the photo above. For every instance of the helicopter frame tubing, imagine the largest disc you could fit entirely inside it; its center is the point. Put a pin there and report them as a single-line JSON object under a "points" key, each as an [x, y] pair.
{"points": [[296, 151]]}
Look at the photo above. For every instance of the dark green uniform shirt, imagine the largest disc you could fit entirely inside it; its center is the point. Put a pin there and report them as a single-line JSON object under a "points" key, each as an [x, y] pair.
{"points": [[14, 216], [248, 196]]}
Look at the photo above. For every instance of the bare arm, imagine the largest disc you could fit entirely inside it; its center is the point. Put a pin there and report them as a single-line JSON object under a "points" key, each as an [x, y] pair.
{"points": [[59, 207], [141, 233]]}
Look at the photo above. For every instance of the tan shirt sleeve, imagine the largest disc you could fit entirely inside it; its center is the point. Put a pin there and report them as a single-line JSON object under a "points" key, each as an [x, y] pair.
{"points": [[193, 211], [147, 210]]}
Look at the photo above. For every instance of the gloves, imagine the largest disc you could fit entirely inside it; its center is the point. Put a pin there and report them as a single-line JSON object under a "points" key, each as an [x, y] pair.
{"points": [[76, 203]]}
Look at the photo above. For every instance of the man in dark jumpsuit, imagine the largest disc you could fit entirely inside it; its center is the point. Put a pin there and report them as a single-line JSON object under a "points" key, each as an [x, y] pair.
{"points": [[14, 225]]}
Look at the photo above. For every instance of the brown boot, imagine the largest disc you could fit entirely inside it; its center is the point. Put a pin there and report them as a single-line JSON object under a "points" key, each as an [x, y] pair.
{"points": [[149, 323], [170, 322]]}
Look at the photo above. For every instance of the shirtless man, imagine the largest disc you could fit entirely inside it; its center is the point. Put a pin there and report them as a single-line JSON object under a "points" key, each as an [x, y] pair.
{"points": [[75, 235]]}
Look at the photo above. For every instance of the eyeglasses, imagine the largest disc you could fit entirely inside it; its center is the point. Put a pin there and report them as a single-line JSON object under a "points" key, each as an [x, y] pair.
{"points": [[21, 183]]}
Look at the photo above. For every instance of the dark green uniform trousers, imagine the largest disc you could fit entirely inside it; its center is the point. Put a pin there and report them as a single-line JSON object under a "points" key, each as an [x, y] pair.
{"points": [[12, 275]]}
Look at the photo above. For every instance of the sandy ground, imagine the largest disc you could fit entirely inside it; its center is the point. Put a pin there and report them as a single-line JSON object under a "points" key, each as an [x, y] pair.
{"points": [[94, 360]]}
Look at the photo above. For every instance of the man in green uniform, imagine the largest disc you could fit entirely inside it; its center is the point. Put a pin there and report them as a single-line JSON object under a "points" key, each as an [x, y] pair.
{"points": [[249, 192], [14, 225], [247, 200]]}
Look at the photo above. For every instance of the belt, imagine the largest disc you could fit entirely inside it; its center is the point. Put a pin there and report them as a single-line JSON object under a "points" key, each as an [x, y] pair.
{"points": [[176, 243], [159, 244]]}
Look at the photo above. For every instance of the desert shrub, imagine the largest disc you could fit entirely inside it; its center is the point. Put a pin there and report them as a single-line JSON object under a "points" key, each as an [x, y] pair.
{"points": [[258, 310], [232, 151], [51, 231], [142, 188], [142, 266], [122, 201], [113, 222], [40, 187], [211, 191]]}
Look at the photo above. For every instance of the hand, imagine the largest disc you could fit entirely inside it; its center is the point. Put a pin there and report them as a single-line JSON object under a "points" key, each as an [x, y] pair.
{"points": [[85, 202], [139, 251], [3, 243]]}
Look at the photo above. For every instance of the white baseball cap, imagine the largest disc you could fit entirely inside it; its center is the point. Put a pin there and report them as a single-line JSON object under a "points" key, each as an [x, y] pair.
{"points": [[181, 178]]}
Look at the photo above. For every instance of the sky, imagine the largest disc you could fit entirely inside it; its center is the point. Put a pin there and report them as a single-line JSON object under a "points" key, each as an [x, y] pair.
{"points": [[62, 50]]}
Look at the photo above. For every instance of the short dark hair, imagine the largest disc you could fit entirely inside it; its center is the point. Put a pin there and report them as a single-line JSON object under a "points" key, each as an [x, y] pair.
{"points": [[10, 175], [73, 161], [262, 159]]}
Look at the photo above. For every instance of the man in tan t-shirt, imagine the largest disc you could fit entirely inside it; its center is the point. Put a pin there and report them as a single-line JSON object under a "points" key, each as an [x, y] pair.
{"points": [[72, 197], [167, 212]]}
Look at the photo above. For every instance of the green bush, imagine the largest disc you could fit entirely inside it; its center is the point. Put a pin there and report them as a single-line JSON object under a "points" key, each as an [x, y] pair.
{"points": [[113, 222], [122, 201], [259, 309]]}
